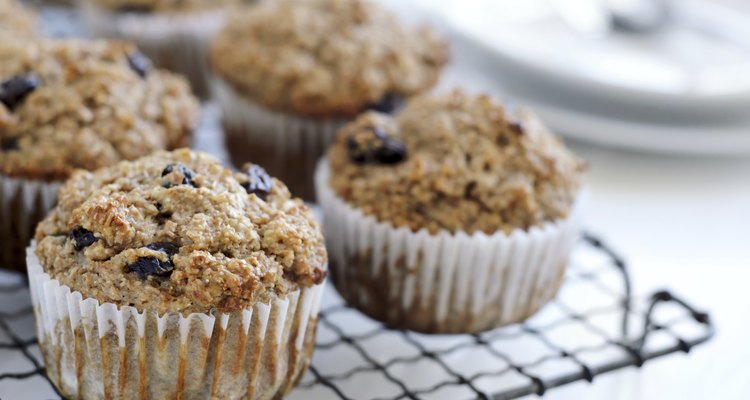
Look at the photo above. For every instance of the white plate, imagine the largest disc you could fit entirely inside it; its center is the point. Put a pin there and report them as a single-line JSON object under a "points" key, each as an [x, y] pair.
{"points": [[665, 139], [684, 72]]}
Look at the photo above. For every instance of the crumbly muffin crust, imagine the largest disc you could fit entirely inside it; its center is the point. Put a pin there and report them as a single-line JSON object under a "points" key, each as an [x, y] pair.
{"points": [[165, 6], [456, 162], [230, 239], [16, 21], [325, 58], [90, 104]]}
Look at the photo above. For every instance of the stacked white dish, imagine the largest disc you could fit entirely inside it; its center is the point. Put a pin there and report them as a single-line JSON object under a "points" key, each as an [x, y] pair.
{"points": [[682, 89]]}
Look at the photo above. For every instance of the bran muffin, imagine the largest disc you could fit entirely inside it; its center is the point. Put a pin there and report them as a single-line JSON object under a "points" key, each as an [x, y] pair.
{"points": [[174, 34], [75, 104], [452, 216], [289, 73], [186, 264], [16, 21]]}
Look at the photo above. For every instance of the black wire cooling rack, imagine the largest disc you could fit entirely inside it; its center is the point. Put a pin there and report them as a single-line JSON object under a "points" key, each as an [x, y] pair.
{"points": [[594, 326]]}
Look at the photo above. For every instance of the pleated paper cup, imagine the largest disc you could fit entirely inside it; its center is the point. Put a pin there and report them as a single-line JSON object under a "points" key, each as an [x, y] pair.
{"points": [[287, 146], [98, 350], [444, 282], [175, 41], [23, 203]]}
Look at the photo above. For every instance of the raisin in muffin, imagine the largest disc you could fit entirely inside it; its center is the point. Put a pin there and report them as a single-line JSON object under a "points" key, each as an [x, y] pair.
{"points": [[163, 6], [453, 216], [16, 21], [174, 34], [77, 104], [183, 263], [290, 73]]}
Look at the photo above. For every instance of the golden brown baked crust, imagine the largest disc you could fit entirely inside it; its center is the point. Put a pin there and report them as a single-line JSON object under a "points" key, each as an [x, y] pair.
{"points": [[16, 21], [325, 58], [91, 108], [468, 166], [184, 238], [164, 6]]}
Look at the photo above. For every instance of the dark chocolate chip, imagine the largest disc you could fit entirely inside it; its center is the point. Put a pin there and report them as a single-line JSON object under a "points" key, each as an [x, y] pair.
{"points": [[359, 157], [469, 189], [14, 90], [166, 247], [9, 144], [162, 215], [148, 266], [259, 182], [351, 143], [388, 104], [134, 8], [516, 127], [82, 238], [375, 146], [187, 174], [390, 152], [139, 63]]}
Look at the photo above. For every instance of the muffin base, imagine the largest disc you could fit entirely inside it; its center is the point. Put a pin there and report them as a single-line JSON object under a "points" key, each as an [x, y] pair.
{"points": [[23, 203], [94, 350], [444, 282], [287, 146], [177, 42]]}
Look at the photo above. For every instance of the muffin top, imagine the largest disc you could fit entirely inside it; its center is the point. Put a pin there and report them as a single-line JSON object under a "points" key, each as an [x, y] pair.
{"points": [[325, 58], [177, 232], [164, 6], [456, 162], [85, 104], [16, 21]]}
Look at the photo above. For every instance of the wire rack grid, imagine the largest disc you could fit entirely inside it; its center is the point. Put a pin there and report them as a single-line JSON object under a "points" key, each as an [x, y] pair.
{"points": [[594, 326]]}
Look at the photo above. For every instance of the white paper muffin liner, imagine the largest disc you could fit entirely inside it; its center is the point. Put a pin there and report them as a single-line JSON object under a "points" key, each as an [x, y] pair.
{"points": [[443, 283], [23, 203], [179, 41], [96, 350], [286, 145]]}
